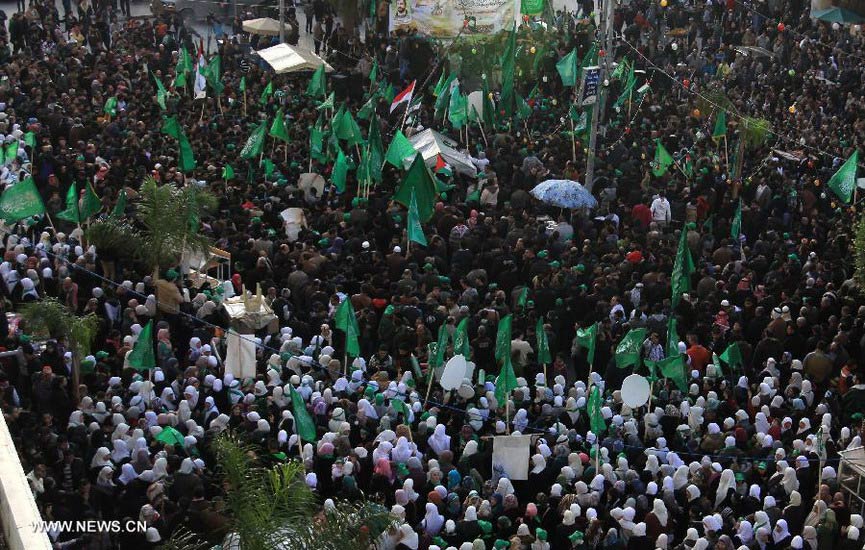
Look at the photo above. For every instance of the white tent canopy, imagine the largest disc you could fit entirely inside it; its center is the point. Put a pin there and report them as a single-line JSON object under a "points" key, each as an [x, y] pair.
{"points": [[287, 59], [264, 26], [430, 143]]}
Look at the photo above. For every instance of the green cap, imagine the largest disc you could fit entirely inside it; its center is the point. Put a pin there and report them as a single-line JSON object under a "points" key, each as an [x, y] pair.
{"points": [[101, 354], [389, 309], [580, 267], [555, 264], [541, 534], [486, 527], [24, 338], [740, 476], [284, 356], [346, 216], [171, 275], [428, 266], [543, 254], [501, 543]]}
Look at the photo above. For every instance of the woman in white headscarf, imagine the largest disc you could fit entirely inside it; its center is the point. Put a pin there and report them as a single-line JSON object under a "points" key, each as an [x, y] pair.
{"points": [[101, 458], [439, 441], [160, 469], [365, 407], [432, 521], [781, 536], [657, 521], [789, 480], [408, 538], [127, 474], [521, 420], [120, 451], [680, 477], [726, 483], [744, 533]]}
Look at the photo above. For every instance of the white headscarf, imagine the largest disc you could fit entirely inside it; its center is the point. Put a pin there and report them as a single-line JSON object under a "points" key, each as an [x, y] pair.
{"points": [[101, 458], [789, 480], [660, 511], [439, 441], [728, 481], [432, 521], [780, 532]]}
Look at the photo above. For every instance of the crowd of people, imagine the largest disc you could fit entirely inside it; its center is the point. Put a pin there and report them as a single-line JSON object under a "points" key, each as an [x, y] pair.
{"points": [[744, 455]]}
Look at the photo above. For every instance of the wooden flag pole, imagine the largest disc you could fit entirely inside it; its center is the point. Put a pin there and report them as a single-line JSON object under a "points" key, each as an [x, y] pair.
{"points": [[573, 140], [508, 414], [345, 358], [244, 102], [431, 375]]}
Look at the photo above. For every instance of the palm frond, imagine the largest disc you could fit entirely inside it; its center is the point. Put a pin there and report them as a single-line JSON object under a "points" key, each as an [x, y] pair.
{"points": [[49, 318], [755, 132], [184, 539], [111, 236], [859, 252]]}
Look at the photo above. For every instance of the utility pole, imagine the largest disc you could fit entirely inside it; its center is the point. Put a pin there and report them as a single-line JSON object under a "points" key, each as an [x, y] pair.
{"points": [[608, 8], [282, 21]]}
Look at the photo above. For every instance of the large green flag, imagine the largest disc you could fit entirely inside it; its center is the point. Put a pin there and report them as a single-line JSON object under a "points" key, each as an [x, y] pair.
{"points": [[368, 109], [673, 367], [400, 148], [596, 417], [506, 381], [316, 86], [303, 424], [458, 109], [71, 213], [346, 321], [373, 73], [587, 338], [720, 126], [629, 350], [443, 97], [662, 161], [340, 171], [508, 102], [316, 144], [110, 107], [532, 7], [345, 127], [461, 339], [420, 183], [628, 88], [183, 67], [503, 339], [844, 181], [266, 93], [212, 73], [142, 356], [120, 207], [10, 152], [672, 336], [736, 226], [161, 93], [90, 205], [733, 356], [489, 110], [621, 69], [415, 230], [278, 129], [543, 354], [255, 144], [567, 68], [171, 127], [523, 298], [438, 358], [186, 158], [30, 140], [20, 201], [683, 267]]}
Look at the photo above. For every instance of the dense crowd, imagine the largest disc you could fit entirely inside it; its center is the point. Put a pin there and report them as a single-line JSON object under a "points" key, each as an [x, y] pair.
{"points": [[743, 456]]}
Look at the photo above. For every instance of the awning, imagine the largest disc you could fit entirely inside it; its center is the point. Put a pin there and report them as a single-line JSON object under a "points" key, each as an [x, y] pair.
{"points": [[430, 143], [283, 58], [837, 15], [264, 26]]}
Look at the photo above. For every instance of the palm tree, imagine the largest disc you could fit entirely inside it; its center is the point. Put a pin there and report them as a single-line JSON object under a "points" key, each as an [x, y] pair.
{"points": [[272, 507], [859, 252], [165, 225], [77, 333]]}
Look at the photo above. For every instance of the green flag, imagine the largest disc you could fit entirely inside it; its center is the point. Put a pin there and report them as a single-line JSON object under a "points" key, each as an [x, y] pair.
{"points": [[186, 161], [368, 108], [438, 359], [227, 172], [621, 69], [720, 126], [503, 339], [844, 181], [420, 183], [373, 73], [90, 205], [543, 354], [523, 109], [30, 140], [266, 93], [327, 103], [673, 367], [120, 207], [414, 229], [375, 148], [523, 298], [303, 424], [269, 167], [161, 93], [142, 356], [567, 68], [733, 356], [110, 107], [346, 321], [461, 338], [71, 213], [345, 127], [171, 127], [242, 86], [489, 110], [340, 171], [183, 67], [628, 88], [399, 407], [506, 381], [683, 267], [278, 129], [672, 336], [532, 7], [443, 98], [255, 144], [10, 151], [458, 109], [629, 350], [736, 226], [316, 86], [400, 148], [662, 161], [596, 417], [508, 100], [587, 338], [20, 201], [716, 361], [212, 73]]}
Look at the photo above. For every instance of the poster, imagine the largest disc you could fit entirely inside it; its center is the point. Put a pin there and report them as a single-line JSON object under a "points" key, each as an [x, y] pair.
{"points": [[511, 456], [240, 355], [444, 18]]}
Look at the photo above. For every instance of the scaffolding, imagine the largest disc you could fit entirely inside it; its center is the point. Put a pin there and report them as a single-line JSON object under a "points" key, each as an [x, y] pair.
{"points": [[851, 473]]}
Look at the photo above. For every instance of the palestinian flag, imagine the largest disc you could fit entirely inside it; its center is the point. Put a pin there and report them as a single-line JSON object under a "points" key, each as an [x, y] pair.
{"points": [[442, 167]]}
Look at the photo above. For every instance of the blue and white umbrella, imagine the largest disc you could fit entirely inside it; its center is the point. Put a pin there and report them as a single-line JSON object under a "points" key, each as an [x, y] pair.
{"points": [[564, 194]]}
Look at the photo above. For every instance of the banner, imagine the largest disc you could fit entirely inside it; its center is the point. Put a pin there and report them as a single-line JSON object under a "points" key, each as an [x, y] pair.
{"points": [[511, 456], [589, 92], [444, 18], [240, 355], [532, 7]]}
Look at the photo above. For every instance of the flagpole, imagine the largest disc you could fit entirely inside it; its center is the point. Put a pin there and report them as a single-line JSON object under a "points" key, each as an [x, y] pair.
{"points": [[726, 157], [508, 413], [573, 141], [244, 102], [429, 385]]}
